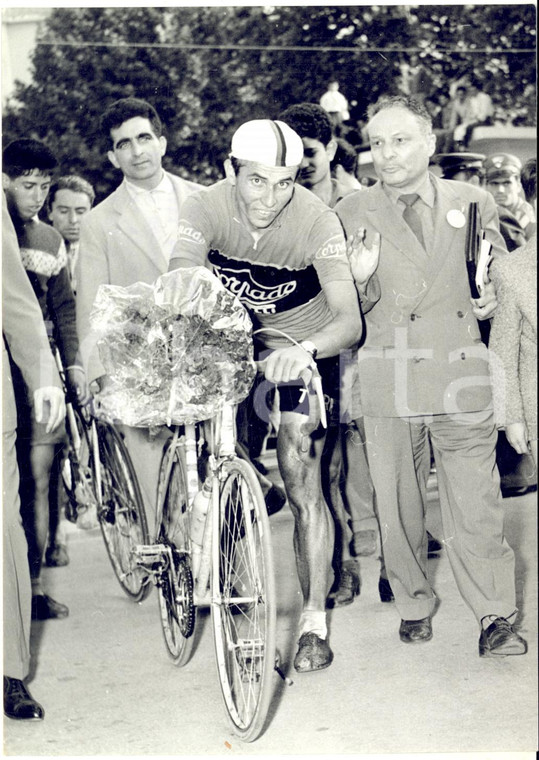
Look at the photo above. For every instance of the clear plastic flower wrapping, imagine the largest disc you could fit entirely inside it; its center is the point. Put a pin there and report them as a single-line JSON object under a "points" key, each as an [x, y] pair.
{"points": [[175, 351]]}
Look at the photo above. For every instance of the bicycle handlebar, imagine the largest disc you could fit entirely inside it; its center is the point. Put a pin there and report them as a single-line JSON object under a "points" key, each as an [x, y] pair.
{"points": [[310, 375]]}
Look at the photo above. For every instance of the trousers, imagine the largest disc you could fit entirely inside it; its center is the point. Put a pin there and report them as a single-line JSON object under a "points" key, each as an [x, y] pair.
{"points": [[464, 448], [16, 579]]}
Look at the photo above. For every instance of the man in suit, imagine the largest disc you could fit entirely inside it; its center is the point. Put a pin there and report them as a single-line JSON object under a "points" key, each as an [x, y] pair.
{"points": [[424, 374], [128, 238], [26, 339]]}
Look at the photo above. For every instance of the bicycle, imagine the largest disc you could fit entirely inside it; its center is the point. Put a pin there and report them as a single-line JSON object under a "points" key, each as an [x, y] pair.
{"points": [[228, 566], [99, 477]]}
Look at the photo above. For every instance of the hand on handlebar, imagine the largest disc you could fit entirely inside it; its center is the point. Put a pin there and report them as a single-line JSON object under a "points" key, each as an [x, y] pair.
{"points": [[285, 364]]}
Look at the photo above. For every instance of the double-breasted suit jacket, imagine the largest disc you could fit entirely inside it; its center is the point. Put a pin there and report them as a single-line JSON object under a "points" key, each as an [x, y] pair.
{"points": [[117, 247], [423, 352]]}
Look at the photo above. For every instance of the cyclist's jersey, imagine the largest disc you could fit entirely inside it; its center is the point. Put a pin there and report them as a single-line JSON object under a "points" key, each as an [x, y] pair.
{"points": [[278, 277]]}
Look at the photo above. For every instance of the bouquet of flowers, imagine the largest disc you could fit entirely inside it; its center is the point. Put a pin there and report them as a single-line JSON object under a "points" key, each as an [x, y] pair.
{"points": [[175, 351]]}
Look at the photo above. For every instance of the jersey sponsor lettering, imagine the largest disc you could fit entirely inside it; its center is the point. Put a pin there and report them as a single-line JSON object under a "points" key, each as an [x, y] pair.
{"points": [[265, 289], [187, 232], [330, 250]]}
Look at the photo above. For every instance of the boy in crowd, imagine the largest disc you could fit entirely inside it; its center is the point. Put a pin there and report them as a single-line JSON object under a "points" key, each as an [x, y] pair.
{"points": [[27, 171]]}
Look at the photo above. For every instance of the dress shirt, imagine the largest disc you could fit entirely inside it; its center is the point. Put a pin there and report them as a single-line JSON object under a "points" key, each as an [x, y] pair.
{"points": [[159, 207]]}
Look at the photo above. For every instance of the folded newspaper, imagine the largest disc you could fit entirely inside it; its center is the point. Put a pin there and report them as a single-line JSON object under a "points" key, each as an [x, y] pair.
{"points": [[175, 351]]}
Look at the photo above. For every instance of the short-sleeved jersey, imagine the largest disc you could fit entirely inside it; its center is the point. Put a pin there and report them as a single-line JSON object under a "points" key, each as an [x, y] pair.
{"points": [[278, 277]]}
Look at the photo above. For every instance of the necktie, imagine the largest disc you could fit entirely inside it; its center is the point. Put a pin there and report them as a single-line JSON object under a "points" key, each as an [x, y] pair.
{"points": [[411, 217]]}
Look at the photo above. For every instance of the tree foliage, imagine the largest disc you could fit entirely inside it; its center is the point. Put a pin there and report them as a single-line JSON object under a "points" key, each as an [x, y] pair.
{"points": [[207, 69]]}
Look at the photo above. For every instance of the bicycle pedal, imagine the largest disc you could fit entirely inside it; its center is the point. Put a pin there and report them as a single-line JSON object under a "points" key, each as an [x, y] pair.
{"points": [[249, 655], [149, 555]]}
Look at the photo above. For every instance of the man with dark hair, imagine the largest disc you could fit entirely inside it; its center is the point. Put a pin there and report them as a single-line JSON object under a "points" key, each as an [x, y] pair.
{"points": [[343, 167], [128, 238], [27, 168], [424, 374], [313, 125], [70, 198], [282, 250], [126, 109]]}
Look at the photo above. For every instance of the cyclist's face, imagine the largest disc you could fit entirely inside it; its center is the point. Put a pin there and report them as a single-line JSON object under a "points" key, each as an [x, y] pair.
{"points": [[137, 151], [262, 192]]}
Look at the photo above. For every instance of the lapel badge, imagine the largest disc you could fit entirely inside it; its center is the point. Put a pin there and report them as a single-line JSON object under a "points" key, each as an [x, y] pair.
{"points": [[456, 218]]}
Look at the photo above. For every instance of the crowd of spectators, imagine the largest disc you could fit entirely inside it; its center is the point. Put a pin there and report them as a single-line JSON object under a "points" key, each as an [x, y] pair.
{"points": [[334, 241]]}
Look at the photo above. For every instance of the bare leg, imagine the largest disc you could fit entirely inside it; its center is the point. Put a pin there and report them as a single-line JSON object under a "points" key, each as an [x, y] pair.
{"points": [[56, 553], [347, 583], [36, 509], [314, 530]]}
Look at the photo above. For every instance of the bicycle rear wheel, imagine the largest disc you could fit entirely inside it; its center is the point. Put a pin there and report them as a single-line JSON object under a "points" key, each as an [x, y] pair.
{"points": [[243, 600], [175, 581], [121, 512]]}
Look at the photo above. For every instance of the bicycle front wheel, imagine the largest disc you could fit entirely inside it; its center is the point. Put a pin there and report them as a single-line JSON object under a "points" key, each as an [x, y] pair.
{"points": [[77, 467], [243, 600], [175, 581], [121, 512]]}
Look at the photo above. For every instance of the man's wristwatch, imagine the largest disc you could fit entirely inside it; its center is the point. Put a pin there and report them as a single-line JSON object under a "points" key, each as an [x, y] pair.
{"points": [[309, 346]]}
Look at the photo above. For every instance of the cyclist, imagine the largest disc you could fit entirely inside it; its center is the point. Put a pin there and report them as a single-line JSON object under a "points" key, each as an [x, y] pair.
{"points": [[282, 251]]}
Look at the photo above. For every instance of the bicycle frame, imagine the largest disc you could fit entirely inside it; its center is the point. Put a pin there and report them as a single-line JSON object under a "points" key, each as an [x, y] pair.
{"points": [[220, 432]]}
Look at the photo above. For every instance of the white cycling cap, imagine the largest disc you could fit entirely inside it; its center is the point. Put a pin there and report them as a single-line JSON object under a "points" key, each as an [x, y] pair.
{"points": [[271, 143]]}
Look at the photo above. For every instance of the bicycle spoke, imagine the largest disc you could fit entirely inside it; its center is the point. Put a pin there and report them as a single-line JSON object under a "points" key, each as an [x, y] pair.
{"points": [[244, 605], [121, 513], [175, 581]]}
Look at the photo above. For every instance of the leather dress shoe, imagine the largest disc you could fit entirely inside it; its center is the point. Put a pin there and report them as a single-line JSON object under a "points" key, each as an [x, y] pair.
{"points": [[56, 556], [275, 500], [385, 590], [364, 543], [349, 585], [500, 640], [313, 653], [434, 546], [412, 631], [45, 607], [18, 702]]}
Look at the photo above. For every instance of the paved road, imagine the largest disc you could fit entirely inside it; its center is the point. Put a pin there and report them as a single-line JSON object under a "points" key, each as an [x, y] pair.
{"points": [[108, 687]]}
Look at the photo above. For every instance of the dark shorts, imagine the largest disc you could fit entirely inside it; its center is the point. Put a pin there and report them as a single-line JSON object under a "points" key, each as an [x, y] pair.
{"points": [[293, 396], [29, 431]]}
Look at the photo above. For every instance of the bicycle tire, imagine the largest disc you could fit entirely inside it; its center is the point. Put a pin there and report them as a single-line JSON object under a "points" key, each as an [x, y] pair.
{"points": [[243, 600], [121, 513], [77, 468], [175, 582]]}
